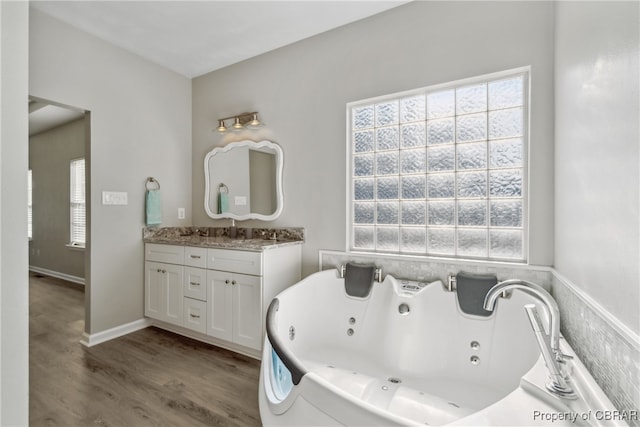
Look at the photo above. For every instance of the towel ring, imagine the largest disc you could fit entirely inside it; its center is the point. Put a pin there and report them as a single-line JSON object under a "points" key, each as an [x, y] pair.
{"points": [[222, 187], [152, 180]]}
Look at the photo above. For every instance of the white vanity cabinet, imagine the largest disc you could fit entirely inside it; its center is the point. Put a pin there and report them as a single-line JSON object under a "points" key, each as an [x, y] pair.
{"points": [[217, 295], [235, 308], [163, 279], [234, 286]]}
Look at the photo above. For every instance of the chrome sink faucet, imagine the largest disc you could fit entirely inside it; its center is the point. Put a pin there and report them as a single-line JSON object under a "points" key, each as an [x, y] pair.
{"points": [[549, 343]]}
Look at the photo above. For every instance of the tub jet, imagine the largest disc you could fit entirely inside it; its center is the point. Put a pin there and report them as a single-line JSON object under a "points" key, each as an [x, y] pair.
{"points": [[404, 309]]}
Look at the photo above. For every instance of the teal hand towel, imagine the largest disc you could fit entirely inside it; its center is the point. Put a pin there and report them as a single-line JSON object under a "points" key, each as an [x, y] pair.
{"points": [[153, 207], [223, 202]]}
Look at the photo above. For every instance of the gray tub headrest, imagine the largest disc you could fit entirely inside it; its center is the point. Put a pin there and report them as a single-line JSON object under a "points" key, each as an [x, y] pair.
{"points": [[358, 279], [471, 290]]}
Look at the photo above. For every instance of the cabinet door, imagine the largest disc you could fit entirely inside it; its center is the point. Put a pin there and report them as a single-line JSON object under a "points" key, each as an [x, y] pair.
{"points": [[163, 292], [153, 284], [247, 311], [173, 293], [219, 305]]}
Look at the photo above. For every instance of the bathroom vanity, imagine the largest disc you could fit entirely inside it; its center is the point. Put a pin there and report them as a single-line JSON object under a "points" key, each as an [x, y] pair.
{"points": [[217, 289], [215, 284]]}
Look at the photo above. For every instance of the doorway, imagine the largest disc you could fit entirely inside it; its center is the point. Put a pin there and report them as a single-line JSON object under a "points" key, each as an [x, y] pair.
{"points": [[59, 208]]}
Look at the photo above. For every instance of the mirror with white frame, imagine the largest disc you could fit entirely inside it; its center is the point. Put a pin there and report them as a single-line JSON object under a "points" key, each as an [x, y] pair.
{"points": [[243, 180]]}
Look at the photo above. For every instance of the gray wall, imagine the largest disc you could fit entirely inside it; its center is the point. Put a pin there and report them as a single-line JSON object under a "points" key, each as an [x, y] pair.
{"points": [[263, 185], [597, 238], [50, 154], [301, 92], [14, 289], [140, 127]]}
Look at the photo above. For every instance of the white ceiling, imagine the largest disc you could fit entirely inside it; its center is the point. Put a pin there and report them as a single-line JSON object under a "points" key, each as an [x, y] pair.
{"points": [[44, 116], [196, 37]]}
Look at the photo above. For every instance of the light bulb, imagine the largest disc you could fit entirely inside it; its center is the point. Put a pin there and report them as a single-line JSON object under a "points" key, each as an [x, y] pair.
{"points": [[221, 127]]}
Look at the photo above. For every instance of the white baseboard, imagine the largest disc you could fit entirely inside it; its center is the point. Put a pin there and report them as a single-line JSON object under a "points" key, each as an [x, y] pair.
{"points": [[89, 340], [57, 275]]}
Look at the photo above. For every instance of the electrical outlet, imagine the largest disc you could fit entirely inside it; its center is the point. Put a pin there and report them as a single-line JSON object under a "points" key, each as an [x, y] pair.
{"points": [[180, 213]]}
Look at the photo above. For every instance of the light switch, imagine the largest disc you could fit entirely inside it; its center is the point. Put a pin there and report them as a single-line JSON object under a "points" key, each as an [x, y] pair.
{"points": [[240, 200], [180, 213], [114, 198]]}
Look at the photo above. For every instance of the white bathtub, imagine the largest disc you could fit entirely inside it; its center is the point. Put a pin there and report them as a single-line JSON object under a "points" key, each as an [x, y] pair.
{"points": [[340, 360]]}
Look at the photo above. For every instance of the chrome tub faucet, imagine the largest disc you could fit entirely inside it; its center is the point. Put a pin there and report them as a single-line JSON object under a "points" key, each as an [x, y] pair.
{"points": [[549, 343]]}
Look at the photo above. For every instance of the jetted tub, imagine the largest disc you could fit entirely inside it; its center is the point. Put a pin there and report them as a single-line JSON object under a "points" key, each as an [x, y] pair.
{"points": [[407, 355]]}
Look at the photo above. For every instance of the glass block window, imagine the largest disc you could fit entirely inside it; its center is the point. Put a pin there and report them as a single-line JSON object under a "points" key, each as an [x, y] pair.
{"points": [[78, 206], [441, 171]]}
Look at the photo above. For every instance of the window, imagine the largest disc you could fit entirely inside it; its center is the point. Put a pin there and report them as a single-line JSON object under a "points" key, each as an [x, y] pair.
{"points": [[30, 204], [78, 205], [441, 171]]}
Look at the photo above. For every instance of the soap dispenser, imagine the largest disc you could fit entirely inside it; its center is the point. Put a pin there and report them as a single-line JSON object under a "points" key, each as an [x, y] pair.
{"points": [[233, 231]]}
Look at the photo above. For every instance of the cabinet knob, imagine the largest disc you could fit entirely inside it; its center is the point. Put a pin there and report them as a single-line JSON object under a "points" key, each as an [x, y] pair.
{"points": [[164, 271], [158, 270], [194, 284], [226, 281], [195, 316], [195, 256], [233, 282]]}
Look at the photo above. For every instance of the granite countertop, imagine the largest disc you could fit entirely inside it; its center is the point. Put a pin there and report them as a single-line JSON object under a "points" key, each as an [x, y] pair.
{"points": [[223, 242], [219, 238]]}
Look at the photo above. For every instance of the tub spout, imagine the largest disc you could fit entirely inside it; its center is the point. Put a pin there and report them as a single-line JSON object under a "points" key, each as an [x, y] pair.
{"points": [[549, 343], [537, 291]]}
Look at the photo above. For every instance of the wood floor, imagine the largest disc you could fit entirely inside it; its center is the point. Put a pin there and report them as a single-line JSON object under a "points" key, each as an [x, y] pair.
{"points": [[147, 378]]}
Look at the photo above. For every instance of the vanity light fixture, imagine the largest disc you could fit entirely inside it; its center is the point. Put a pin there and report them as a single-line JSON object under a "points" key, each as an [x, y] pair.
{"points": [[254, 123], [241, 121]]}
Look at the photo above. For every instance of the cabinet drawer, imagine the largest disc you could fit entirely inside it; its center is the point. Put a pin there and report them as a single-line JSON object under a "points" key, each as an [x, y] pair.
{"points": [[195, 283], [195, 315], [235, 261], [170, 254], [195, 257]]}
